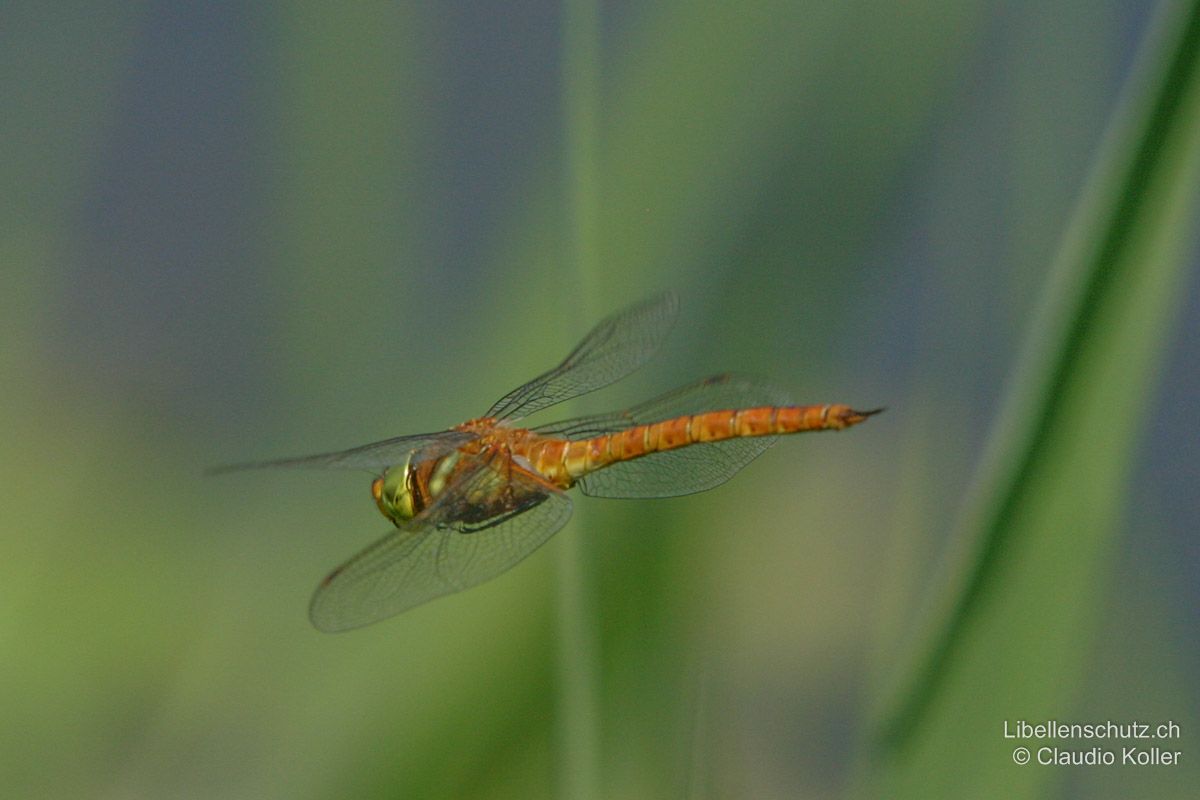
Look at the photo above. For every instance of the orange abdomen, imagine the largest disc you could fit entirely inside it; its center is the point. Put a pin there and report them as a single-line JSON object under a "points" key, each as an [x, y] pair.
{"points": [[565, 462]]}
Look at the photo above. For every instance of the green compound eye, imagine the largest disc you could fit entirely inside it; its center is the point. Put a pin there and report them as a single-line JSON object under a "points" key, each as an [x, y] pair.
{"points": [[393, 494]]}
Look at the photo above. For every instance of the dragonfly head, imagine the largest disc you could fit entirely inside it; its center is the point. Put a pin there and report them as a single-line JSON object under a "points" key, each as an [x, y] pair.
{"points": [[393, 493]]}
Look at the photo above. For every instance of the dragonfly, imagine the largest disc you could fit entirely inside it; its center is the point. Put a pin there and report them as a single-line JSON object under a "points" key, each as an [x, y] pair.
{"points": [[470, 502]]}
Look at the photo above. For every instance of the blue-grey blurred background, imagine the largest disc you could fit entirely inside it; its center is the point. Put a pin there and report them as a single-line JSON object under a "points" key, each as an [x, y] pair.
{"points": [[251, 230]]}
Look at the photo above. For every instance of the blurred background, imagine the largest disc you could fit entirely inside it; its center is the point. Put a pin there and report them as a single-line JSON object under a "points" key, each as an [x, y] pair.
{"points": [[258, 230]]}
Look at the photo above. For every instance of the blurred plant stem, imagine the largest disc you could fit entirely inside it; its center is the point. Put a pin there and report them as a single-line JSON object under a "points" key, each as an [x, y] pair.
{"points": [[1032, 558], [579, 718]]}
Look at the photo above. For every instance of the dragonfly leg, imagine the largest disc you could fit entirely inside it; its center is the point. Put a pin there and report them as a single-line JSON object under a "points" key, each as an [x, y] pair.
{"points": [[527, 502]]}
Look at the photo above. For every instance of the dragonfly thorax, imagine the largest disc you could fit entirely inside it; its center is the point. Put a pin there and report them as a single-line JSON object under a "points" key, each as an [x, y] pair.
{"points": [[393, 492]]}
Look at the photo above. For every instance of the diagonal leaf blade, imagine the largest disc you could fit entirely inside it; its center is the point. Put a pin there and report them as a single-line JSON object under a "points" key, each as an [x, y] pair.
{"points": [[1015, 618]]}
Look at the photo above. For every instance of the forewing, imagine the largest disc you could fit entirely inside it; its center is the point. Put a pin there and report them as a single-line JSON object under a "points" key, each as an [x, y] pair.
{"points": [[617, 346], [686, 470], [376, 456], [715, 393], [436, 553]]}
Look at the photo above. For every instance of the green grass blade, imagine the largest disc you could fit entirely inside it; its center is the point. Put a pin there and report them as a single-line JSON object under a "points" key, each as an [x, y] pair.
{"points": [[1017, 617], [578, 646]]}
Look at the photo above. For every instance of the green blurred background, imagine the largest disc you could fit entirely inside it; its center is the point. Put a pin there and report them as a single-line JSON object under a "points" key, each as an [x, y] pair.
{"points": [[270, 229]]}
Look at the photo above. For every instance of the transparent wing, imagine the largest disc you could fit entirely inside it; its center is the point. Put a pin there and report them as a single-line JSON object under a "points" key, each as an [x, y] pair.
{"points": [[617, 346], [376, 456], [687, 470], [714, 393], [445, 549]]}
